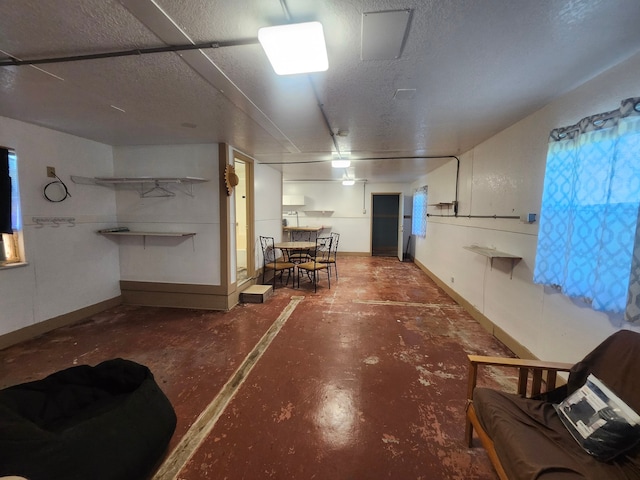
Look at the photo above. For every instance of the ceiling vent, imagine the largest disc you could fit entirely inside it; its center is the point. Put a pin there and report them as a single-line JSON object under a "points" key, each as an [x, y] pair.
{"points": [[384, 34], [404, 94]]}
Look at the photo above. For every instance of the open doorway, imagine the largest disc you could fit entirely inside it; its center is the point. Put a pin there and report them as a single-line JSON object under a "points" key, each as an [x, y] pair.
{"points": [[244, 219], [386, 226]]}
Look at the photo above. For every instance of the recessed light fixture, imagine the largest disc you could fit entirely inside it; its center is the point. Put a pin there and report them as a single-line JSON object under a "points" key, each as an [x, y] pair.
{"points": [[340, 163], [295, 48], [348, 183]]}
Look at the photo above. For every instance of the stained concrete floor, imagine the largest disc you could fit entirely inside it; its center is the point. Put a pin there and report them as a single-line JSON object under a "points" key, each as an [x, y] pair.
{"points": [[366, 380]]}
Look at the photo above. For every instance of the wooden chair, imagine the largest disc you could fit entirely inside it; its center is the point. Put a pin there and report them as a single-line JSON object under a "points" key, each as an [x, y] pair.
{"points": [[272, 259], [543, 374], [319, 261]]}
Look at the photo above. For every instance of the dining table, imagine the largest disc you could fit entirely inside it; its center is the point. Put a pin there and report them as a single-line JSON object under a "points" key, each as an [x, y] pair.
{"points": [[295, 246]]}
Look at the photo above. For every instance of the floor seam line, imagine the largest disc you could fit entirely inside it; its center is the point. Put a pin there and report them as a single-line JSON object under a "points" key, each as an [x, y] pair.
{"points": [[202, 426], [407, 304]]}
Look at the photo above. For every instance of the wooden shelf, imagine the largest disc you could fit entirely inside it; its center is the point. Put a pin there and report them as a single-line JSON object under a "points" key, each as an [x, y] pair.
{"points": [[492, 253]]}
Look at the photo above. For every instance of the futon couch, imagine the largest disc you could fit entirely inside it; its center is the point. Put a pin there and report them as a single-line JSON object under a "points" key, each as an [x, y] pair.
{"points": [[108, 422], [523, 433]]}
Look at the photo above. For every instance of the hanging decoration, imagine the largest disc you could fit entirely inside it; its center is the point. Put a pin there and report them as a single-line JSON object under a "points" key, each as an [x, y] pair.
{"points": [[230, 179]]}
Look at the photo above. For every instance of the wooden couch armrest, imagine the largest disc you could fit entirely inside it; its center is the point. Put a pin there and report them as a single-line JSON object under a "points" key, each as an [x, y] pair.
{"points": [[524, 366], [541, 371]]}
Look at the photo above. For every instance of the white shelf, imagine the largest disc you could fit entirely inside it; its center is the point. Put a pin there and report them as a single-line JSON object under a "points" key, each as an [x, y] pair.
{"points": [[144, 235], [121, 180], [492, 253], [151, 234], [318, 213], [147, 186]]}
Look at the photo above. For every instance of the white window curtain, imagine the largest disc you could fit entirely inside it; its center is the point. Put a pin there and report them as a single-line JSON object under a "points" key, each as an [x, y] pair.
{"points": [[419, 214], [589, 214], [16, 214]]}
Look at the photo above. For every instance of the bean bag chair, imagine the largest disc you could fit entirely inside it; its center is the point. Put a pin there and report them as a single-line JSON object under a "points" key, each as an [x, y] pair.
{"points": [[108, 422]]}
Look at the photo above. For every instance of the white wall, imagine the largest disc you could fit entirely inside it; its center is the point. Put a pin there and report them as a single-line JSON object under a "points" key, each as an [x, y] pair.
{"points": [[168, 259], [351, 207], [504, 176], [267, 206], [69, 267]]}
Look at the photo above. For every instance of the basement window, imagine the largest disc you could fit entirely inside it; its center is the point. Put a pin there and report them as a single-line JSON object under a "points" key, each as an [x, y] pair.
{"points": [[10, 213], [419, 214], [589, 225]]}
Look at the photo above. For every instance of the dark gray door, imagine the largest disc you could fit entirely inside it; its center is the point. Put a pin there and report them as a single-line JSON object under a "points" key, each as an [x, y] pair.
{"points": [[384, 227]]}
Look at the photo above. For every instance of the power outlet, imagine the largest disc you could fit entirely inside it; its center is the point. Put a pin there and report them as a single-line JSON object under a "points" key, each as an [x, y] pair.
{"points": [[51, 172]]}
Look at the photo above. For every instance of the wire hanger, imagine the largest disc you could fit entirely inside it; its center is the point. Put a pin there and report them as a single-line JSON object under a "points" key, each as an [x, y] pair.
{"points": [[157, 191]]}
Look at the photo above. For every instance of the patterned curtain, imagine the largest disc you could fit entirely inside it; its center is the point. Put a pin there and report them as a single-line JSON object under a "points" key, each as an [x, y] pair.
{"points": [[589, 213], [632, 314], [419, 214]]}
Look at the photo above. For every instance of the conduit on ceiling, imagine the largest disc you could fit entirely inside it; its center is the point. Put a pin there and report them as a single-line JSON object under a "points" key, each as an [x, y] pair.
{"points": [[15, 62]]}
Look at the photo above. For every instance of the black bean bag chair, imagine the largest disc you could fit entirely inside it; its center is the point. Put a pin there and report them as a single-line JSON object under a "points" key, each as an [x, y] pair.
{"points": [[108, 422]]}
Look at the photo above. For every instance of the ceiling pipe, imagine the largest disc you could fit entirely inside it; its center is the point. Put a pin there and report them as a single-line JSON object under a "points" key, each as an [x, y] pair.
{"points": [[15, 62], [289, 17], [415, 157], [326, 119]]}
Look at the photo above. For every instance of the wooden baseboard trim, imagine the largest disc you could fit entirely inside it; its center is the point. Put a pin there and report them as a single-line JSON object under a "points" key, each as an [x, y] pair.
{"points": [[45, 326], [516, 347], [179, 295]]}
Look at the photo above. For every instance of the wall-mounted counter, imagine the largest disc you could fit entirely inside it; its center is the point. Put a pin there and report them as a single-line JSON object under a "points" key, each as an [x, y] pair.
{"points": [[314, 230]]}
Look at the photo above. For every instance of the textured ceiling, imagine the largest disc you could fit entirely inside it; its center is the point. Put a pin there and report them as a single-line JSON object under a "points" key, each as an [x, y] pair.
{"points": [[477, 66]]}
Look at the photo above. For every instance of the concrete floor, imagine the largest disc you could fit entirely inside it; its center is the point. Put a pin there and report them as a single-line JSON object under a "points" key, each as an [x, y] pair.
{"points": [[366, 380]]}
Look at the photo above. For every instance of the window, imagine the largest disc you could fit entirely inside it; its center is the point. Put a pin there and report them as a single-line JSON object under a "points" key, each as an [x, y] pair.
{"points": [[10, 214], [590, 205], [419, 215]]}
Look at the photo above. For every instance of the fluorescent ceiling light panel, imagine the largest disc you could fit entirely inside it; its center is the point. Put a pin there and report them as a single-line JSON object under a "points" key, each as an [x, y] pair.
{"points": [[383, 34], [295, 48], [340, 163], [348, 183]]}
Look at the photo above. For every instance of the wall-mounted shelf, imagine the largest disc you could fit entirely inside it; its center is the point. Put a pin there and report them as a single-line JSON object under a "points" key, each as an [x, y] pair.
{"points": [[441, 204], [144, 235], [318, 213], [146, 186], [492, 253]]}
